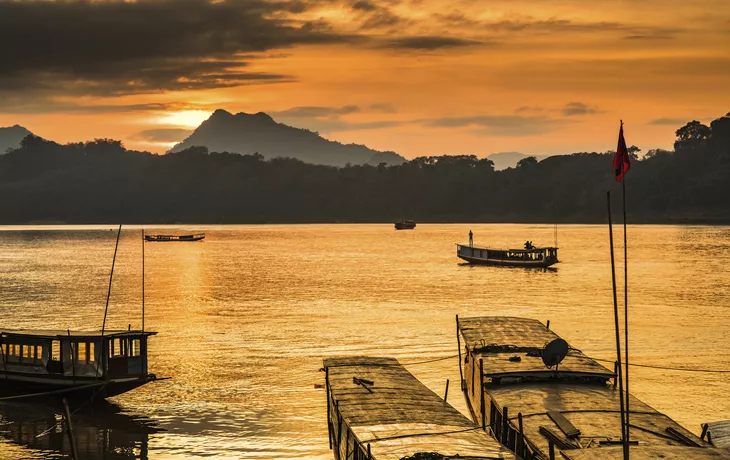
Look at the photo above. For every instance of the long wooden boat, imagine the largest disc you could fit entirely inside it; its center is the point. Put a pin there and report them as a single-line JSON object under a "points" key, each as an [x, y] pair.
{"points": [[377, 410], [166, 238], [535, 257], [570, 411], [405, 225], [72, 363]]}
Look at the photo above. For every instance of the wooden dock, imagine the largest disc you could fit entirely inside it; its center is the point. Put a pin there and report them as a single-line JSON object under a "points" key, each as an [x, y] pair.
{"points": [[376, 409], [543, 413]]}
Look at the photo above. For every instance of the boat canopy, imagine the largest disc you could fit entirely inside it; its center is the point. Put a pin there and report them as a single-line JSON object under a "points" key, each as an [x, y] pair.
{"points": [[117, 353]]}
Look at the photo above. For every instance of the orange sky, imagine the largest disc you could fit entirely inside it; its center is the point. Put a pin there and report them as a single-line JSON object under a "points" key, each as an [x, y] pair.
{"points": [[420, 77]]}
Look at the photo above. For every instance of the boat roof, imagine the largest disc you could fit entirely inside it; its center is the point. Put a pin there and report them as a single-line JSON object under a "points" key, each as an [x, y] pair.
{"points": [[719, 433], [400, 416], [648, 453], [484, 248], [592, 409], [56, 333], [496, 339]]}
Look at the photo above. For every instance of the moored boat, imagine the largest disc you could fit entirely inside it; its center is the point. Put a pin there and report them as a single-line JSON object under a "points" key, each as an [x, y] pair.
{"points": [[161, 238], [72, 363], [377, 410], [405, 225], [533, 257], [568, 409]]}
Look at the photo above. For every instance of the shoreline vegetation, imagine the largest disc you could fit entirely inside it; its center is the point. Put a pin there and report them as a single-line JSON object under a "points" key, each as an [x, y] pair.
{"points": [[102, 182]]}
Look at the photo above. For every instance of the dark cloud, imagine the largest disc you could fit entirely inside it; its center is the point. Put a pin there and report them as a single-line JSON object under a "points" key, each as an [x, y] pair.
{"points": [[500, 125], [364, 5], [428, 43], [669, 121], [578, 108], [167, 135], [556, 25], [117, 47], [23, 104], [567, 25]]}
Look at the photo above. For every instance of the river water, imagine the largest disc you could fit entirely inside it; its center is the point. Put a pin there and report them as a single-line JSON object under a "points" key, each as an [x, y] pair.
{"points": [[246, 316]]}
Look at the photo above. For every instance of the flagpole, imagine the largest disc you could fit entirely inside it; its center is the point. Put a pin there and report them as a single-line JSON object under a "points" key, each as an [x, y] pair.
{"points": [[626, 299], [618, 333]]}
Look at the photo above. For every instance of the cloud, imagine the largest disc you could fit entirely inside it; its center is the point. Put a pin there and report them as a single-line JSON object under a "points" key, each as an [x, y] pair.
{"points": [[118, 47], [500, 125], [670, 121], [578, 108], [23, 104], [364, 5], [315, 112], [384, 108], [163, 135], [428, 43], [329, 119], [337, 125]]}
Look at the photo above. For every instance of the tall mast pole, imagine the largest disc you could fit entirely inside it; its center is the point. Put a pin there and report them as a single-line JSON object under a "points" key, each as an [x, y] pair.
{"points": [[142, 280], [111, 276], [618, 334], [626, 298]]}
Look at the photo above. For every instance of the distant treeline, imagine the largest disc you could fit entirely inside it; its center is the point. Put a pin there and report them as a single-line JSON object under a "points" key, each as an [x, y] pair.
{"points": [[102, 182]]}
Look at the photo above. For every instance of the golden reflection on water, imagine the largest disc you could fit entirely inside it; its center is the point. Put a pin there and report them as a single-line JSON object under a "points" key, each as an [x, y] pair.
{"points": [[245, 317]]}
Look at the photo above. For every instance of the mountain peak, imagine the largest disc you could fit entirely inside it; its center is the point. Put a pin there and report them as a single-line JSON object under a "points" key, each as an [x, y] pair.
{"points": [[11, 137], [247, 133]]}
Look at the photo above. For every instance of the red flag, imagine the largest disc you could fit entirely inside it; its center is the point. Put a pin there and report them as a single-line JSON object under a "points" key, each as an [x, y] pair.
{"points": [[621, 163]]}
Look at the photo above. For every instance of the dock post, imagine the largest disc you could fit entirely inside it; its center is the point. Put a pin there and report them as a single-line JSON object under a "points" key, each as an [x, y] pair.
{"points": [[481, 393], [70, 430], [327, 390], [458, 344], [370, 456], [339, 428], [505, 426], [551, 449], [520, 436], [548, 324], [705, 426], [446, 393]]}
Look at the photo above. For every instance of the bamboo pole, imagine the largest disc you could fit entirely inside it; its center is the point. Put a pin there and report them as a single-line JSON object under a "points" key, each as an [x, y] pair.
{"points": [[70, 430], [618, 334]]}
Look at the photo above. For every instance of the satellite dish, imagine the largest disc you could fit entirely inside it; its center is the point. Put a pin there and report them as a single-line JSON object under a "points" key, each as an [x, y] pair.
{"points": [[554, 352]]}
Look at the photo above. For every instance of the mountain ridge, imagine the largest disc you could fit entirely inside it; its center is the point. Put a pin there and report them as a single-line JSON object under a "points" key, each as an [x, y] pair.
{"points": [[246, 133], [11, 136]]}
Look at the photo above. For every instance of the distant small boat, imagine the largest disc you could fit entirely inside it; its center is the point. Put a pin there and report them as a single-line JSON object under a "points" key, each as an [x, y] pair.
{"points": [[405, 225], [194, 237], [533, 257]]}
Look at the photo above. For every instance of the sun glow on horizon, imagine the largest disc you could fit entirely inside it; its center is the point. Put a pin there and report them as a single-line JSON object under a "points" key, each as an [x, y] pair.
{"points": [[184, 118]]}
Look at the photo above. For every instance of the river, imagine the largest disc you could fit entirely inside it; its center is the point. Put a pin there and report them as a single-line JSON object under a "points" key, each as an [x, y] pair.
{"points": [[246, 316]]}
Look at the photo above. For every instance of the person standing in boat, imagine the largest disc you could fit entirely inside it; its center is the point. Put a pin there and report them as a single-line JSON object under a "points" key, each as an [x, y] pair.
{"points": [[471, 239]]}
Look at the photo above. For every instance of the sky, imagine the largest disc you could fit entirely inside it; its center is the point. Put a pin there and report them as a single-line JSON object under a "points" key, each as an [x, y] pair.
{"points": [[419, 77]]}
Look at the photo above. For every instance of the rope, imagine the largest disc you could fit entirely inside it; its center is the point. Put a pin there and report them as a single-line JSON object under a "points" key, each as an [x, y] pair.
{"points": [[669, 368]]}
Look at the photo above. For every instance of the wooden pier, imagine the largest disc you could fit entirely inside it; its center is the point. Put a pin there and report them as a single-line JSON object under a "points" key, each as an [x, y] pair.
{"points": [[376, 409], [568, 412]]}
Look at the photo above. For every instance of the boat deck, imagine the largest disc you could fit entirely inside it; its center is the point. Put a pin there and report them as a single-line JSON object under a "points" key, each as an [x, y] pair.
{"points": [[397, 416], [534, 410]]}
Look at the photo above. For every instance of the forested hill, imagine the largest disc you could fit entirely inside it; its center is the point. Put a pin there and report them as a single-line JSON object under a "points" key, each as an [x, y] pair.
{"points": [[101, 182]]}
